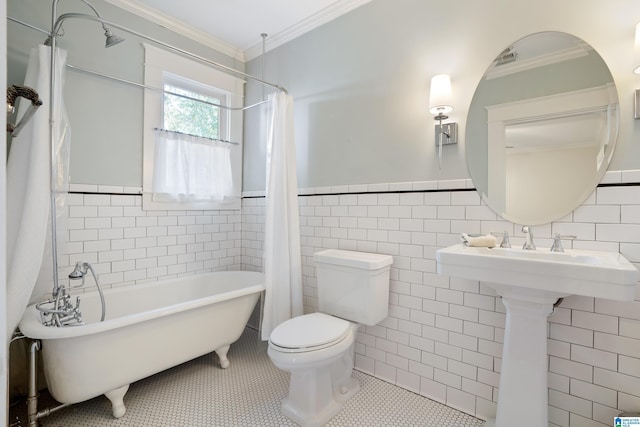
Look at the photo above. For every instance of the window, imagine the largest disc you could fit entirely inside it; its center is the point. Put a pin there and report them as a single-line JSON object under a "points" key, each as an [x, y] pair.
{"points": [[183, 113], [192, 155]]}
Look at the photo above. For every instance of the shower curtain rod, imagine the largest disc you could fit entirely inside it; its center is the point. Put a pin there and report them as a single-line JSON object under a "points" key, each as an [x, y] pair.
{"points": [[65, 16], [132, 83]]}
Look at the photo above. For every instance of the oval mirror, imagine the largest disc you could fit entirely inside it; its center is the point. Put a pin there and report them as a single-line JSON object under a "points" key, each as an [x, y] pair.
{"points": [[541, 128]]}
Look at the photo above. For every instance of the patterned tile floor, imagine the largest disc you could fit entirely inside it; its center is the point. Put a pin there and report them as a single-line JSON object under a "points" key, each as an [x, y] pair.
{"points": [[199, 393]]}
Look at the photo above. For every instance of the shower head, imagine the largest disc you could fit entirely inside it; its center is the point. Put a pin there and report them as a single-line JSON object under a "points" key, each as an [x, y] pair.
{"points": [[79, 271], [112, 39]]}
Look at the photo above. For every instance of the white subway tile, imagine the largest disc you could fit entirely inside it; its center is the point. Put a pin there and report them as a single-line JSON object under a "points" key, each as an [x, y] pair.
{"points": [[629, 365], [571, 334], [594, 393], [629, 328], [447, 378], [618, 195], [573, 404], [617, 381], [461, 400], [617, 344], [627, 233], [604, 414], [558, 382], [477, 389], [433, 390], [598, 214], [465, 342], [595, 357], [571, 369], [594, 321]]}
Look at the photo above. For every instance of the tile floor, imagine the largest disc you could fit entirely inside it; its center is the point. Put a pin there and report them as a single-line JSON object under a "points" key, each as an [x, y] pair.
{"points": [[199, 393]]}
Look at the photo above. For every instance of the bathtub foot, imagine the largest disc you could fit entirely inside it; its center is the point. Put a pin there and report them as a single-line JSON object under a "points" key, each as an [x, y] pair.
{"points": [[222, 355], [116, 397]]}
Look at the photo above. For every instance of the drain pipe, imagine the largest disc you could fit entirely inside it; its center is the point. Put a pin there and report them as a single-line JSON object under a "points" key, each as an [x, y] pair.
{"points": [[32, 399]]}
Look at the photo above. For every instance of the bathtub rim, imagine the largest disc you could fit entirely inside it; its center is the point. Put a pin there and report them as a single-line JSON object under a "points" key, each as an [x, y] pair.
{"points": [[32, 327]]}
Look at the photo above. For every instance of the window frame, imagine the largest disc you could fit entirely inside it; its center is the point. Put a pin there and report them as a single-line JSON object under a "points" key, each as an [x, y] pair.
{"points": [[163, 66]]}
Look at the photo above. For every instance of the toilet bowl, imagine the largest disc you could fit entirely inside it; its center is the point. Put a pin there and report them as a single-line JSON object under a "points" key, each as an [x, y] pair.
{"points": [[318, 348]]}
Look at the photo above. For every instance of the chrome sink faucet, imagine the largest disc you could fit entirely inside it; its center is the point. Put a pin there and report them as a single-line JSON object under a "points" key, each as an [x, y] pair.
{"points": [[528, 244]]}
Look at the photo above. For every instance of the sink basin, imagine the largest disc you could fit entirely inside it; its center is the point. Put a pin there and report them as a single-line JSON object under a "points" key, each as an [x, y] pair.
{"points": [[574, 272], [530, 283]]}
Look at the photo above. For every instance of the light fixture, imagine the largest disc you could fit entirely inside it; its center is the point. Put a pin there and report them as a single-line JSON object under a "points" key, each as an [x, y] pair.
{"points": [[440, 106], [636, 51]]}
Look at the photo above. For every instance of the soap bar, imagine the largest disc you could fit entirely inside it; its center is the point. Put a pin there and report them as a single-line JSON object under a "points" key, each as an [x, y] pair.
{"points": [[479, 240]]}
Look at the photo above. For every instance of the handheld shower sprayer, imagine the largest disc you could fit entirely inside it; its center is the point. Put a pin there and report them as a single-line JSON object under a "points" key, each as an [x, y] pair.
{"points": [[59, 310], [79, 271]]}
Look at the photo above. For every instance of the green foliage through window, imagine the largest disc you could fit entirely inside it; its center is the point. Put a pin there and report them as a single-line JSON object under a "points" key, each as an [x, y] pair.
{"points": [[190, 116]]}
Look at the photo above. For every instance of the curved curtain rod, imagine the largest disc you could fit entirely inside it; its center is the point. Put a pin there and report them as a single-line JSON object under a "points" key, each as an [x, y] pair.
{"points": [[61, 18], [132, 83], [66, 16], [157, 89]]}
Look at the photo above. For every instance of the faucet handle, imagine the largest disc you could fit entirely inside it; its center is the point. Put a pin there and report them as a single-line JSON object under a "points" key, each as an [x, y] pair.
{"points": [[557, 241], [505, 243]]}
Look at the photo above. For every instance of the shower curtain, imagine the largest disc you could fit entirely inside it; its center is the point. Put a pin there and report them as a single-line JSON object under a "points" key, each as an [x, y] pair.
{"points": [[282, 259], [29, 190]]}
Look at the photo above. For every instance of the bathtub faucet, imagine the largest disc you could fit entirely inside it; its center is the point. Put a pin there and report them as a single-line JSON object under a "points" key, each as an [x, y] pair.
{"points": [[59, 310]]}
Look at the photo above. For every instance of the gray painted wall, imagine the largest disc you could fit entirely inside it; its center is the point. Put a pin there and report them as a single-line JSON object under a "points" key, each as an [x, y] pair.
{"points": [[105, 116], [361, 83]]}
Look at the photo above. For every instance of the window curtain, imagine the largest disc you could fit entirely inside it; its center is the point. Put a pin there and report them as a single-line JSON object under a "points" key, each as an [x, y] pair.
{"points": [[191, 168]]}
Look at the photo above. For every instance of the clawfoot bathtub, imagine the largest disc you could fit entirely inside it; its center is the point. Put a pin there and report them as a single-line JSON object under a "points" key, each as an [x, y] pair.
{"points": [[148, 328]]}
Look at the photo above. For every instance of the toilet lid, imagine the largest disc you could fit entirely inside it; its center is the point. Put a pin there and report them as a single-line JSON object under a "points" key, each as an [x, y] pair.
{"points": [[310, 330]]}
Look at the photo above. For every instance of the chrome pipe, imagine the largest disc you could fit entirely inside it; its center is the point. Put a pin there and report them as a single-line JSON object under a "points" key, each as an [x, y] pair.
{"points": [[32, 398], [159, 90], [52, 150], [66, 16]]}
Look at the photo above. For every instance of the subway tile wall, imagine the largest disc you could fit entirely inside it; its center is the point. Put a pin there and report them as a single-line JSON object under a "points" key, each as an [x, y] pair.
{"points": [[443, 338], [127, 245]]}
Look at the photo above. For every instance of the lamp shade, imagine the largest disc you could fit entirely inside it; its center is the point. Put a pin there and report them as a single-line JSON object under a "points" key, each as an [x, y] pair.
{"points": [[440, 94], [636, 51]]}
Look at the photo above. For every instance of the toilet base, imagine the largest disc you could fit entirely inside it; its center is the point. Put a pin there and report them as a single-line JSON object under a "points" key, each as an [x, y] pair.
{"points": [[317, 414]]}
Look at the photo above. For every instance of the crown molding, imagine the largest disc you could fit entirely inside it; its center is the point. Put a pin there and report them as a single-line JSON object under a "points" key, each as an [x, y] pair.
{"points": [[539, 61], [179, 27], [327, 14]]}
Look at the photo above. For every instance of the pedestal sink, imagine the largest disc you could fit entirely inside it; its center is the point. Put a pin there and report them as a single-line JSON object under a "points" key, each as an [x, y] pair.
{"points": [[530, 282]]}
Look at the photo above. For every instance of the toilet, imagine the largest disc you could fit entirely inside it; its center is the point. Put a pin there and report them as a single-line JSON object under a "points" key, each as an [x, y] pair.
{"points": [[318, 348]]}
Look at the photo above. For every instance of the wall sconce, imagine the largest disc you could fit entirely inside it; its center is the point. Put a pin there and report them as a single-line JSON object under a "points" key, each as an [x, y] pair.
{"points": [[440, 105]]}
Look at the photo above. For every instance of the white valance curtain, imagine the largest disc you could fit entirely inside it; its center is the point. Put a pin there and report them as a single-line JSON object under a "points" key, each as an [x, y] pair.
{"points": [[191, 168]]}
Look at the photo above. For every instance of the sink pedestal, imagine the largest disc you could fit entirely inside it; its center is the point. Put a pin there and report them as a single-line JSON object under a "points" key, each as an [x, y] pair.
{"points": [[523, 396], [530, 282]]}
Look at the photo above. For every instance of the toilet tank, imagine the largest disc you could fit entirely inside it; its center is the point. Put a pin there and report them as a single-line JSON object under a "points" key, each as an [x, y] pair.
{"points": [[353, 285]]}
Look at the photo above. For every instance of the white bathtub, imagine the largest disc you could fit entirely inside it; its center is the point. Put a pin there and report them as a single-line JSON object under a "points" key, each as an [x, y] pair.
{"points": [[148, 328]]}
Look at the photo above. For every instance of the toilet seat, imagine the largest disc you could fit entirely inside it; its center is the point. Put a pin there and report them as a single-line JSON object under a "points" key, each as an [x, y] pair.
{"points": [[310, 332]]}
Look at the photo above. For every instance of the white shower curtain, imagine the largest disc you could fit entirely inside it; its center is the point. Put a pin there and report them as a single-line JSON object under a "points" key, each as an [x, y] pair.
{"points": [[282, 259], [28, 185]]}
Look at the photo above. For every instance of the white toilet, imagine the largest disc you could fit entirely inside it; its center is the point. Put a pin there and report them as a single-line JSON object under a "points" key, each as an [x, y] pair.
{"points": [[318, 348]]}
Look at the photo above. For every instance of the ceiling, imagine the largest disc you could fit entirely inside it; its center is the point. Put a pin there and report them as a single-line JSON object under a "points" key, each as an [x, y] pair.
{"points": [[235, 26]]}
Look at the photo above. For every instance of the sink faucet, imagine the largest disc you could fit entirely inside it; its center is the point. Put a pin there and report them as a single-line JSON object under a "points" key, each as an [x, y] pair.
{"points": [[557, 242], [528, 245]]}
